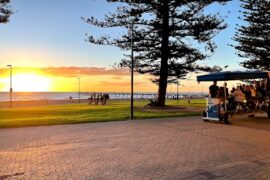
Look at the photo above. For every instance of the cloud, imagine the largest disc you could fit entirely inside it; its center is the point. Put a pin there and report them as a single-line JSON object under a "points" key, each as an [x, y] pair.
{"points": [[71, 71], [117, 78], [121, 83], [84, 71]]}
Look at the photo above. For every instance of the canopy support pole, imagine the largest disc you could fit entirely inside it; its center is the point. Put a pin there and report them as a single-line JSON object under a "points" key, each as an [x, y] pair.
{"points": [[225, 96]]}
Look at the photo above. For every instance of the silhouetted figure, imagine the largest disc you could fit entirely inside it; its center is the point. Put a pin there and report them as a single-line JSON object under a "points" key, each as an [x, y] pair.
{"points": [[213, 90], [232, 91], [105, 97], [70, 99], [98, 98]]}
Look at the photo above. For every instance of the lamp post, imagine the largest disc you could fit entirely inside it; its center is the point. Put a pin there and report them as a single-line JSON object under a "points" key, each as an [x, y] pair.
{"points": [[177, 93], [10, 89], [79, 89], [132, 75]]}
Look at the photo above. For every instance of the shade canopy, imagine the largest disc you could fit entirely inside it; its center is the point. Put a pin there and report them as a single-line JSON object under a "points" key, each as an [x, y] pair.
{"points": [[233, 75]]}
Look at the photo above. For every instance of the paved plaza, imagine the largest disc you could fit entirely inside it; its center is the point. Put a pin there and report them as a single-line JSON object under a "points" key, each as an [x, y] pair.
{"points": [[173, 148]]}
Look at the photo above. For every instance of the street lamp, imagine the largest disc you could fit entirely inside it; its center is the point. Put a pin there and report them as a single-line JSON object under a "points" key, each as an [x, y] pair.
{"points": [[177, 95], [132, 74], [10, 89], [134, 19], [79, 89]]}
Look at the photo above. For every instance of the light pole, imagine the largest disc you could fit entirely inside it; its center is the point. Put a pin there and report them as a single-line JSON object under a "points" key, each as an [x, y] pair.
{"points": [[132, 75], [79, 89], [177, 95], [10, 84]]}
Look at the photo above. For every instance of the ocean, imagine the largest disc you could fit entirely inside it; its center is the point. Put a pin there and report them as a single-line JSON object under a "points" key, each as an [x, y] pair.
{"points": [[24, 96]]}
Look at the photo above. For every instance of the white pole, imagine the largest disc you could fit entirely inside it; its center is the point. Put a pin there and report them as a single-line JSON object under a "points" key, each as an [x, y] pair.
{"points": [[10, 84]]}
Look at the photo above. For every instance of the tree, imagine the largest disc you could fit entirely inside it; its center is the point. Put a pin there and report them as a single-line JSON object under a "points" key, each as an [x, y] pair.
{"points": [[5, 11], [169, 36], [254, 37]]}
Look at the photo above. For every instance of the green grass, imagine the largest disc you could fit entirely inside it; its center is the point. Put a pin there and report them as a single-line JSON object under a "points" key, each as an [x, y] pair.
{"points": [[83, 113]]}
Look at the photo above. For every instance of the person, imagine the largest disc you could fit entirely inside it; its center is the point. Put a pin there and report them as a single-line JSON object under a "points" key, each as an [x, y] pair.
{"points": [[239, 95], [243, 88], [248, 97], [252, 91], [70, 99], [232, 91], [263, 89], [259, 92], [253, 94], [221, 92], [239, 98], [213, 90], [247, 93], [268, 87], [227, 90]]}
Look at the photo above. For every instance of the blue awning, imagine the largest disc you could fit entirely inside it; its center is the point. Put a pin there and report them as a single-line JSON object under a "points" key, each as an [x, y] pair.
{"points": [[236, 75]]}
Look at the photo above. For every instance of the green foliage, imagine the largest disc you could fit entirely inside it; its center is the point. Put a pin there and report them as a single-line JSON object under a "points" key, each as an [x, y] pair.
{"points": [[83, 113], [186, 25], [254, 37], [5, 11], [170, 37]]}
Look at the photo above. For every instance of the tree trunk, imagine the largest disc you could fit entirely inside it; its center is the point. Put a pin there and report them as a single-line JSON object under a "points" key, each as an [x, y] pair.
{"points": [[164, 56]]}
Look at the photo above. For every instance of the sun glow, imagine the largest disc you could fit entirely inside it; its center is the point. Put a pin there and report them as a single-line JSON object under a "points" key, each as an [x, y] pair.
{"points": [[30, 82]]}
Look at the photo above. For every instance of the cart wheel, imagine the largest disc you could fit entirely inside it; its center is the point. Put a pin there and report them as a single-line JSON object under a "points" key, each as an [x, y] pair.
{"points": [[204, 115], [268, 114], [221, 118], [228, 118]]}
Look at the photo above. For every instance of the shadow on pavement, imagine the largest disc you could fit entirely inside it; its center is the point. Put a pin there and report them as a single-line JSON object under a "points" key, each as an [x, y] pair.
{"points": [[260, 121]]}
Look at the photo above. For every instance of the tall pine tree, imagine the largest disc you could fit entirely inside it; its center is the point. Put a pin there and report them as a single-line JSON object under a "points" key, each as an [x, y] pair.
{"points": [[170, 36], [5, 11], [254, 37]]}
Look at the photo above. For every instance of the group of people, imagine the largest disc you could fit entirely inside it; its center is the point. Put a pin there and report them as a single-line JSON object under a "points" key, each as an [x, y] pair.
{"points": [[97, 98], [248, 94]]}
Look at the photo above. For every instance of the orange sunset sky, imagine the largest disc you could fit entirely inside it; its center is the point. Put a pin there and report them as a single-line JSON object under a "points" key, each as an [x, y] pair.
{"points": [[45, 43], [64, 79]]}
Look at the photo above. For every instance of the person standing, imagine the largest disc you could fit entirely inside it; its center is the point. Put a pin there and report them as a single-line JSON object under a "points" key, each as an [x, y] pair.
{"points": [[213, 90], [248, 97]]}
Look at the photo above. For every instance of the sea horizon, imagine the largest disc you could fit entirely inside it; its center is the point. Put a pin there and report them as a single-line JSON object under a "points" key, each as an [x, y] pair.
{"points": [[25, 96]]}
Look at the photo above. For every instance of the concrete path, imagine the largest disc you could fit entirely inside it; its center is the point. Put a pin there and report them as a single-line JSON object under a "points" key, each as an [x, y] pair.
{"points": [[173, 148]]}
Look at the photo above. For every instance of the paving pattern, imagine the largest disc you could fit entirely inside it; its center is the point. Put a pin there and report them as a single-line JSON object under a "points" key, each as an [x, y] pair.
{"points": [[173, 148]]}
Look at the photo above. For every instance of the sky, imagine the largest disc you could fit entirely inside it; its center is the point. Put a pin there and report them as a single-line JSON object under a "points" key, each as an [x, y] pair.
{"points": [[44, 36]]}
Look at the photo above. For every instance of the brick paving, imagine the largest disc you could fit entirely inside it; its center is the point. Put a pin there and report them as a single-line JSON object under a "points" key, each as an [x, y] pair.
{"points": [[173, 148]]}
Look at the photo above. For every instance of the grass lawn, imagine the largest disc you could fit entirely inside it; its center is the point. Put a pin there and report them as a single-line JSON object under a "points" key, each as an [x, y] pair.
{"points": [[83, 113]]}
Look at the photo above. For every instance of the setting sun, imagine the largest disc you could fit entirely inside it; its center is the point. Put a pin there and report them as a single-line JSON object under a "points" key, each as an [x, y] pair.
{"points": [[30, 82]]}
